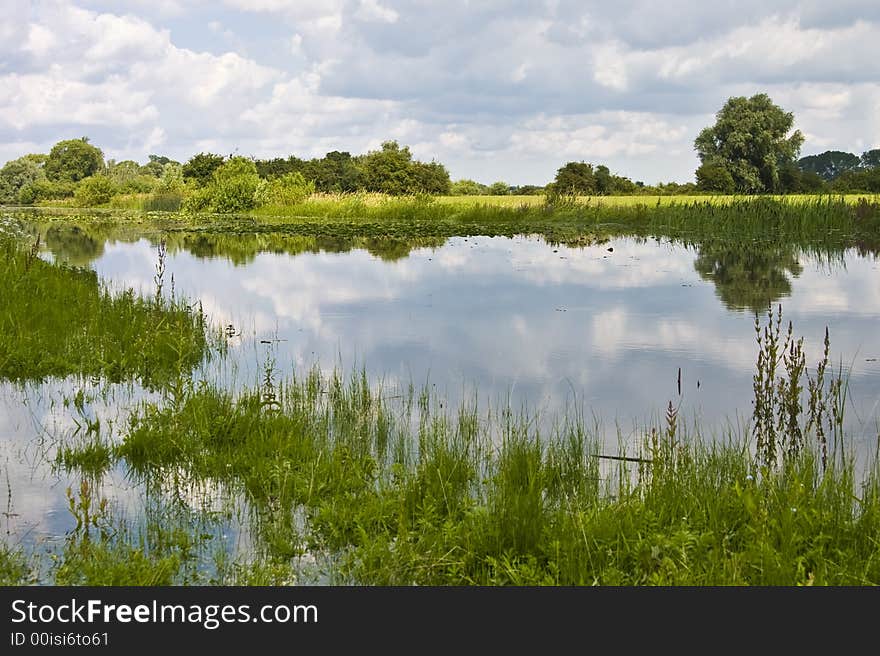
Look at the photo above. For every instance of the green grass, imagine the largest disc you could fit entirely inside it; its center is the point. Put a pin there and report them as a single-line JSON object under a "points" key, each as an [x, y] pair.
{"points": [[819, 222], [813, 222], [648, 199], [397, 491], [58, 320], [14, 568], [400, 493]]}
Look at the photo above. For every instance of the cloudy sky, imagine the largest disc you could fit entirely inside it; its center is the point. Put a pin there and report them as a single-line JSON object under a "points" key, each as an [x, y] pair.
{"points": [[493, 89]]}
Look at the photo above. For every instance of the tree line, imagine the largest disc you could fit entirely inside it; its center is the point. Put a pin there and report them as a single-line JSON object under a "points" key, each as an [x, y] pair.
{"points": [[751, 149]]}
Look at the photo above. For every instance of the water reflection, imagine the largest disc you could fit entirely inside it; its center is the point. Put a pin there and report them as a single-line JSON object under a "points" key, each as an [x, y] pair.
{"points": [[749, 276], [81, 245], [520, 321]]}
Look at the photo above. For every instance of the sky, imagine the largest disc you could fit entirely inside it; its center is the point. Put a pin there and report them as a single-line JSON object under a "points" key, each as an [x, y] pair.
{"points": [[495, 90]]}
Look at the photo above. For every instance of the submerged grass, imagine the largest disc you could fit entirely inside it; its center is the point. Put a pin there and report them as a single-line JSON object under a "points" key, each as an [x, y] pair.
{"points": [[57, 320], [414, 495]]}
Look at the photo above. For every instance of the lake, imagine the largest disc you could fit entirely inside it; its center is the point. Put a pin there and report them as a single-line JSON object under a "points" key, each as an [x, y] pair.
{"points": [[617, 329]]}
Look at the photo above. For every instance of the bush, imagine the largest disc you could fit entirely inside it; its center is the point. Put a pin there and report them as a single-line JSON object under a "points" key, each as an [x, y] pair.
{"points": [[289, 189], [96, 190], [172, 181], [468, 188], [43, 189], [198, 201], [232, 189], [499, 188]]}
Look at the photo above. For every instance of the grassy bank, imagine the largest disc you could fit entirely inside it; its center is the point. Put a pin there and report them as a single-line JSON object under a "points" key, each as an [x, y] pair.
{"points": [[818, 222], [811, 222], [58, 321], [647, 199]]}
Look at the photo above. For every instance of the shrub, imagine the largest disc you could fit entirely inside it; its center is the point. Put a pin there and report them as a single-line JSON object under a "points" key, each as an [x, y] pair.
{"points": [[43, 189], [96, 190], [289, 189]]}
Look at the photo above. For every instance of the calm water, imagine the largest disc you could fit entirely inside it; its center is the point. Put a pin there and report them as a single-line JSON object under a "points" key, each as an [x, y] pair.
{"points": [[520, 321]]}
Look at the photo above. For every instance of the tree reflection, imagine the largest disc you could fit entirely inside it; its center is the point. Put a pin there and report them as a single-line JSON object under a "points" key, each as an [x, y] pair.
{"points": [[74, 245], [748, 276]]}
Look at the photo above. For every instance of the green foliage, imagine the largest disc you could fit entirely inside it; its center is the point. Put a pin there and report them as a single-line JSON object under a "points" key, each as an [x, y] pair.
{"points": [[388, 170], [750, 139], [781, 423], [73, 160], [14, 569], [288, 189], [468, 188], [234, 185], [870, 159], [200, 168], [198, 201], [457, 498], [604, 180], [499, 188], [846, 172], [278, 166], [233, 188], [44, 189], [429, 178], [863, 180], [337, 172], [793, 180], [714, 176], [60, 321], [392, 170], [830, 164], [17, 174], [156, 166], [129, 178], [95, 190], [575, 178], [171, 181], [529, 190]]}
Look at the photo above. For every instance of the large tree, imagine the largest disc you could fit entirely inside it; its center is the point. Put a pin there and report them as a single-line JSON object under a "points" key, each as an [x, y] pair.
{"points": [[72, 160], [751, 138], [19, 173], [575, 178], [337, 172], [388, 170]]}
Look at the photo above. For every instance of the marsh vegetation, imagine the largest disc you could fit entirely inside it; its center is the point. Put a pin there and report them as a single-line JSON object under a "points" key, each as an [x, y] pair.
{"points": [[251, 462]]}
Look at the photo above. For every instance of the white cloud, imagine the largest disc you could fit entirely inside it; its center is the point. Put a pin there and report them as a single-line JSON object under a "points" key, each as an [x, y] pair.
{"points": [[371, 10], [517, 89]]}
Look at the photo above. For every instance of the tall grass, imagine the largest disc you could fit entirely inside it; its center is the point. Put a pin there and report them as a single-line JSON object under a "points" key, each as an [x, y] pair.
{"points": [[399, 492], [819, 222], [58, 320], [153, 202]]}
